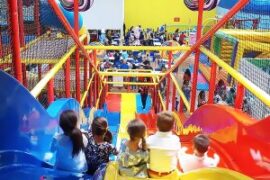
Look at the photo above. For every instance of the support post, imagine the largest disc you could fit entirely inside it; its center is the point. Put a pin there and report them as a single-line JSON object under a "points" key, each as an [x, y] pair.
{"points": [[212, 83], [85, 78], [14, 33], [169, 80], [173, 98], [90, 76], [197, 58], [239, 96], [95, 78], [22, 43], [77, 54], [67, 78], [50, 89]]}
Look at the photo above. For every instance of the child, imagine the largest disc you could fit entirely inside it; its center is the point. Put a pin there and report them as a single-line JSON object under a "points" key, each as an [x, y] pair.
{"points": [[98, 148], [69, 146], [199, 159], [134, 155], [164, 148], [201, 99]]}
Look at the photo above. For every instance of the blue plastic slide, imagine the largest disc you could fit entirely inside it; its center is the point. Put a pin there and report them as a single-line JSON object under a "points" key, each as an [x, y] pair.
{"points": [[26, 131]]}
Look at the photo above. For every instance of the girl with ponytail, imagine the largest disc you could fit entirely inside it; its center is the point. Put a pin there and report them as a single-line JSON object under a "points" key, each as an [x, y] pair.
{"points": [[69, 146], [134, 156], [99, 146]]}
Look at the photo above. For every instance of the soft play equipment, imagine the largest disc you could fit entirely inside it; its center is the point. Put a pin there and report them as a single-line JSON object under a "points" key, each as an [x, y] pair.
{"points": [[253, 7]]}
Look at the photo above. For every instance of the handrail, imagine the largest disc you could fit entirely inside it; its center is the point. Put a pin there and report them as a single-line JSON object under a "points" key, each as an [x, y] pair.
{"points": [[139, 48], [131, 83], [181, 93], [260, 94], [238, 6], [87, 89], [131, 74], [99, 94], [161, 101]]}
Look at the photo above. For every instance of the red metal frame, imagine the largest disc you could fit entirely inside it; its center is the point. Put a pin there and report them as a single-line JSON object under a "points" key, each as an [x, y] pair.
{"points": [[173, 98], [14, 30], [67, 78], [77, 55], [197, 58], [95, 78], [212, 83], [90, 76], [50, 89], [85, 78], [22, 43], [169, 80]]}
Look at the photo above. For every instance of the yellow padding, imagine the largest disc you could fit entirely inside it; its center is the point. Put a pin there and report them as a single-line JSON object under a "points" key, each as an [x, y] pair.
{"points": [[128, 109], [200, 174]]}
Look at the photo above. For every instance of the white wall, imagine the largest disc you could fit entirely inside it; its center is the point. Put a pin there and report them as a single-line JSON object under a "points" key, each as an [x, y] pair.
{"points": [[105, 14]]}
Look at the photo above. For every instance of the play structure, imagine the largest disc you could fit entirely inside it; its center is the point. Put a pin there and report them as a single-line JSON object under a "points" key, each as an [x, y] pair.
{"points": [[47, 65]]}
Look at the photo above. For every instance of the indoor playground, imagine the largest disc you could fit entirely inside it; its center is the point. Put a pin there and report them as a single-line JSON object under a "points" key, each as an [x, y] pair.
{"points": [[200, 69]]}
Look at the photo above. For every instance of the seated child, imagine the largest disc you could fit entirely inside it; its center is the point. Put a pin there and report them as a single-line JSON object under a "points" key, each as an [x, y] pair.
{"points": [[199, 159], [98, 149], [69, 146], [164, 148], [134, 155]]}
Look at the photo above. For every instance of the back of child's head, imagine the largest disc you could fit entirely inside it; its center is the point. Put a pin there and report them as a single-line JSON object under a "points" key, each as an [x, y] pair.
{"points": [[68, 123], [137, 129], [99, 127], [165, 121], [201, 143]]}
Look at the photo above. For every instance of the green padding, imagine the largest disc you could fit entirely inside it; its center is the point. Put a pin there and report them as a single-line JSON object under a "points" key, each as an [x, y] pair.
{"points": [[217, 46]]}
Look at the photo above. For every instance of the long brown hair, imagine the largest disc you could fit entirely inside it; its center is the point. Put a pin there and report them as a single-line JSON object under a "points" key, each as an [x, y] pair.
{"points": [[99, 127], [136, 129], [68, 122]]}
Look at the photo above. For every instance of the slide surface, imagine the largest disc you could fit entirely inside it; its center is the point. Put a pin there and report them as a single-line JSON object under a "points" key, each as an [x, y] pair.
{"points": [[241, 142], [26, 128]]}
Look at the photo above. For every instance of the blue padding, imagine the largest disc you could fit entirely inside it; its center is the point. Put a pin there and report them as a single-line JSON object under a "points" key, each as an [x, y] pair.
{"points": [[114, 129], [113, 118], [87, 111], [139, 106], [100, 113]]}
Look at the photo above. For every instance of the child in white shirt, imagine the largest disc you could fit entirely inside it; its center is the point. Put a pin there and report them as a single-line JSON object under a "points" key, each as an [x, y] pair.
{"points": [[199, 159], [164, 148]]}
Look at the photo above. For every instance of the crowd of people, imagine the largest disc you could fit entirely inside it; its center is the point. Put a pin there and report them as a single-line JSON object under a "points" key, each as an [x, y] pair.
{"points": [[138, 156]]}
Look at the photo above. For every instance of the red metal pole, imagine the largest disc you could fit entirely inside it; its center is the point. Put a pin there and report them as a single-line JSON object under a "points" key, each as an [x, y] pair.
{"points": [[77, 55], [85, 78], [239, 96], [22, 43], [169, 80], [67, 78], [212, 83], [181, 106], [173, 98], [90, 76], [197, 58], [212, 31], [14, 30], [96, 77], [50, 89]]}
